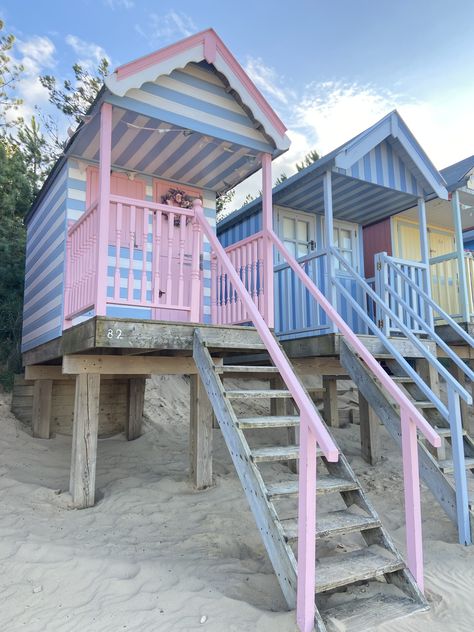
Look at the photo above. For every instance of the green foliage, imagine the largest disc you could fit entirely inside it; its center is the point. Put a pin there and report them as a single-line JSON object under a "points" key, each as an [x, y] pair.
{"points": [[223, 201], [281, 178], [310, 157], [37, 152], [16, 196], [9, 74], [75, 97]]}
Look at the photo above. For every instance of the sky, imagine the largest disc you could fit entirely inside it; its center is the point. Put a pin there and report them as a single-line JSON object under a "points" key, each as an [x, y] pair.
{"points": [[329, 69]]}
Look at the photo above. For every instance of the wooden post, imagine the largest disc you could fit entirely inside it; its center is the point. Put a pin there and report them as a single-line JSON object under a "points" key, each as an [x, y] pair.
{"points": [[425, 258], [41, 417], [84, 440], [369, 432], [331, 413], [200, 435], [136, 401], [105, 148], [267, 225], [463, 288]]}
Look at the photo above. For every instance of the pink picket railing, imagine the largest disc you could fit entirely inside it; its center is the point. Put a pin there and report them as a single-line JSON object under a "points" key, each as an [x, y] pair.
{"points": [[81, 264], [248, 258], [153, 260]]}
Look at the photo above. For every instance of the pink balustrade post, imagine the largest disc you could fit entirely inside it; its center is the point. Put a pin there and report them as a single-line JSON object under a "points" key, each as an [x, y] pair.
{"points": [[144, 254], [214, 290], [105, 145], [306, 528], [414, 534], [195, 267], [131, 251], [156, 258], [118, 246], [67, 284], [267, 225]]}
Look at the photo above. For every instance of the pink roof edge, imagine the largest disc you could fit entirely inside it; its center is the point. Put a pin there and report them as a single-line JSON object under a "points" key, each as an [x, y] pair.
{"points": [[211, 42]]}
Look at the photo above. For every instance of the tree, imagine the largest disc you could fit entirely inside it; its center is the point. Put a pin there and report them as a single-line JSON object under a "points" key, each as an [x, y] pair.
{"points": [[9, 74], [223, 200], [281, 178], [36, 150], [75, 97], [311, 156], [15, 198]]}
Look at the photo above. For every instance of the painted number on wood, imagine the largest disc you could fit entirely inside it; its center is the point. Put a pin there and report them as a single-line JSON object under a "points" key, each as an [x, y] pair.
{"points": [[115, 334]]}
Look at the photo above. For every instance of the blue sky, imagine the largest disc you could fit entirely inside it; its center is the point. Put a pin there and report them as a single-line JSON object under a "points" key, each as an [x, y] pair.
{"points": [[330, 69]]}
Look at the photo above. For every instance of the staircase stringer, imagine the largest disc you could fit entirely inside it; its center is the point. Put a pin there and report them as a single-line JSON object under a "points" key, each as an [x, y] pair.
{"points": [[436, 481], [280, 553]]}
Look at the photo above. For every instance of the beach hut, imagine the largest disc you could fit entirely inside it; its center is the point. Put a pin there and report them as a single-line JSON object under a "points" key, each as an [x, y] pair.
{"points": [[336, 221], [125, 277]]}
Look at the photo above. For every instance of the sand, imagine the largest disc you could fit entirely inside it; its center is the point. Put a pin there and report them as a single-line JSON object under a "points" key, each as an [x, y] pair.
{"points": [[153, 555]]}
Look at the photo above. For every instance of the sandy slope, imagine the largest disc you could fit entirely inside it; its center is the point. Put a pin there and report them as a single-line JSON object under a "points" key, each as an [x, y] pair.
{"points": [[154, 555]]}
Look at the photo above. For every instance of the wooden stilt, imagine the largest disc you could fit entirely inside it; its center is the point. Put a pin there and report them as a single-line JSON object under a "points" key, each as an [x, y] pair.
{"points": [[369, 432], [331, 413], [84, 440], [200, 435], [136, 402], [41, 414]]}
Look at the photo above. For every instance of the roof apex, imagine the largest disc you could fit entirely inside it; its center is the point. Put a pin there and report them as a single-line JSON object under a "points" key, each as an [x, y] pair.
{"points": [[205, 45]]}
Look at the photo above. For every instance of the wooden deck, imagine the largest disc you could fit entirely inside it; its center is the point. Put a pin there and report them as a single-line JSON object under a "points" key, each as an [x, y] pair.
{"points": [[120, 336]]}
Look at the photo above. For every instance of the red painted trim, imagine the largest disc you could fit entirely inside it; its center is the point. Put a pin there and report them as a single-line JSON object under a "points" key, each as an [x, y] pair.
{"points": [[211, 45]]}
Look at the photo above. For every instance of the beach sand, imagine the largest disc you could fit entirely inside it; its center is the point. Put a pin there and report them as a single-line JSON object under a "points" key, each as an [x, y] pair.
{"points": [[154, 555]]}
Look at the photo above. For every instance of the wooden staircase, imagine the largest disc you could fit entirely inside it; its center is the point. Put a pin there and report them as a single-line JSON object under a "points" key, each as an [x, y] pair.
{"points": [[436, 465], [361, 579]]}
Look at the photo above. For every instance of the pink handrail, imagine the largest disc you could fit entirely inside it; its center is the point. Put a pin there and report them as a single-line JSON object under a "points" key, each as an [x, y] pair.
{"points": [[312, 432], [411, 419]]}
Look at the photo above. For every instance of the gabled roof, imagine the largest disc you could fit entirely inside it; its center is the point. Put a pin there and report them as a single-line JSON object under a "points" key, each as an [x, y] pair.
{"points": [[207, 46], [457, 175], [344, 161]]}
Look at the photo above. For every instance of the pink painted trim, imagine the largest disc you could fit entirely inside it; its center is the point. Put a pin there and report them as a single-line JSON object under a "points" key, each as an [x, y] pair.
{"points": [[267, 223], [105, 144], [153, 206], [244, 242], [211, 43], [210, 48]]}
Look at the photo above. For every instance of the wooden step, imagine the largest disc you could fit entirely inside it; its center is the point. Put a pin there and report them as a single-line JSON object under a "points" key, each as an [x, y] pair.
{"points": [[360, 565], [257, 394], [402, 379], [446, 432], [289, 421], [324, 485], [360, 615], [276, 453], [448, 468], [423, 404], [253, 370], [333, 523]]}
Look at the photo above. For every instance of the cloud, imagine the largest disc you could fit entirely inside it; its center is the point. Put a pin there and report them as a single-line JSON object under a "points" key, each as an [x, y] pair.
{"points": [[168, 27], [90, 54], [119, 4], [36, 55], [267, 80]]}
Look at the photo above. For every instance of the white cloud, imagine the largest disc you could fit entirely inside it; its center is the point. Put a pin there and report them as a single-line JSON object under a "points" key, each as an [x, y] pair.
{"points": [[267, 80], [89, 53], [164, 28], [120, 4], [37, 56]]}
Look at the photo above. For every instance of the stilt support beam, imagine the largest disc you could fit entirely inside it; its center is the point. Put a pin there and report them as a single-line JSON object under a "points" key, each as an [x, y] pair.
{"points": [[331, 413], [41, 416], [200, 437], [136, 401], [84, 440], [369, 432]]}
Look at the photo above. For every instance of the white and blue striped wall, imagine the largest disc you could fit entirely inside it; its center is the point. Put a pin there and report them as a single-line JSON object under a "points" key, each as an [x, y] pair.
{"points": [[44, 267]]}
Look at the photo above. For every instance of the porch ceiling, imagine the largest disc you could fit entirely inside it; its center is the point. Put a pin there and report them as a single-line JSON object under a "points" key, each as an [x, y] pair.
{"points": [[173, 153], [354, 200]]}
